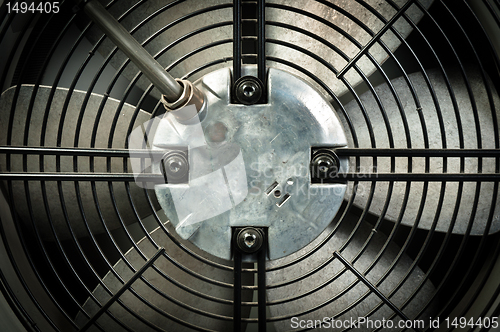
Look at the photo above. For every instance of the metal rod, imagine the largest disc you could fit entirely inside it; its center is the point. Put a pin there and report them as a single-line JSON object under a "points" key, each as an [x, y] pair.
{"points": [[348, 152], [416, 177], [122, 290], [371, 286], [365, 48], [261, 286], [261, 40], [162, 80], [158, 178], [60, 176], [80, 152], [236, 40], [237, 291], [374, 152]]}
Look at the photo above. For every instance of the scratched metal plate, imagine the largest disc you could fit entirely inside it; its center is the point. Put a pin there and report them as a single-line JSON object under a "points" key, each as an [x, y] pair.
{"points": [[257, 174]]}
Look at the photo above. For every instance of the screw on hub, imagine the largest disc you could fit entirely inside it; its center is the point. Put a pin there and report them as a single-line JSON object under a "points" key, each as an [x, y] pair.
{"points": [[249, 240], [175, 167], [324, 165], [248, 90]]}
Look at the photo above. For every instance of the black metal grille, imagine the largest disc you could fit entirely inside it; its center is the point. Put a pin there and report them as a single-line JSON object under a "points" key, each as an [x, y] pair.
{"points": [[58, 272]]}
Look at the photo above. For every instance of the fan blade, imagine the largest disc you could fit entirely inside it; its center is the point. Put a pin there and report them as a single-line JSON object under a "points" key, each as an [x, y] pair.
{"points": [[452, 127], [156, 289], [296, 24], [286, 21], [339, 290], [92, 118], [178, 38]]}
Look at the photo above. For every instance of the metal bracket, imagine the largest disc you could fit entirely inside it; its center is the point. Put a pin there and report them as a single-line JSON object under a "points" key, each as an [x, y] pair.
{"points": [[249, 241], [253, 43]]}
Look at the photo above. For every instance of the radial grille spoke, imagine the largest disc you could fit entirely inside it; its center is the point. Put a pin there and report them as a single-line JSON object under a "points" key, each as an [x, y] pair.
{"points": [[375, 38], [79, 152], [63, 176], [485, 153], [419, 177]]}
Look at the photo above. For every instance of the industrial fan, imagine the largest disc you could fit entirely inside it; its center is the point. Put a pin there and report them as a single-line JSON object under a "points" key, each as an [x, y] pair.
{"points": [[276, 165]]}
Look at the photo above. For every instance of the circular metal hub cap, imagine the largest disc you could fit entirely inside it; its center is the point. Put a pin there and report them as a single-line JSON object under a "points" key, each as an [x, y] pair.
{"points": [[250, 165]]}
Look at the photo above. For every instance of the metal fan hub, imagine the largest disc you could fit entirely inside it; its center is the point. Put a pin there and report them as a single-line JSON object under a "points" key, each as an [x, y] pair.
{"points": [[249, 165]]}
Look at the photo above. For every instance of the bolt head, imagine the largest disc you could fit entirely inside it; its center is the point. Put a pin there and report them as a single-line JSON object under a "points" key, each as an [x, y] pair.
{"points": [[249, 240], [174, 166], [324, 165], [248, 90]]}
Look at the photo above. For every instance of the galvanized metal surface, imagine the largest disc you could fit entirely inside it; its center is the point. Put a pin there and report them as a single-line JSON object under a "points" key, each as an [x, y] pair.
{"points": [[249, 166]]}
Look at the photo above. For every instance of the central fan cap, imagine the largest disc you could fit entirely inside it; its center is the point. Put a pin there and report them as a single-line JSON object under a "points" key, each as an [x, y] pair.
{"points": [[236, 165]]}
